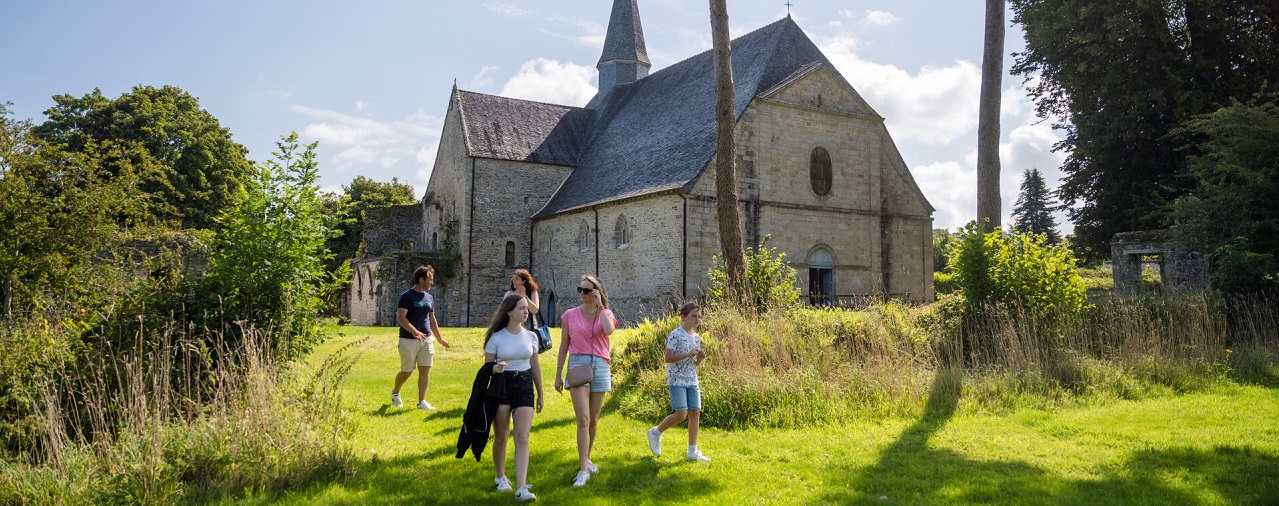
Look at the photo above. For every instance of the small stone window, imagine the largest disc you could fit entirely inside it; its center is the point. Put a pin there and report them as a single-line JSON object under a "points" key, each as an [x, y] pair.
{"points": [[584, 237], [819, 171], [510, 253], [435, 240], [622, 233]]}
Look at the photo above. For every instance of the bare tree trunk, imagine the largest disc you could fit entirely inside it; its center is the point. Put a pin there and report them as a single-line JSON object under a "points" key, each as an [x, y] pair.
{"points": [[726, 197], [992, 73]]}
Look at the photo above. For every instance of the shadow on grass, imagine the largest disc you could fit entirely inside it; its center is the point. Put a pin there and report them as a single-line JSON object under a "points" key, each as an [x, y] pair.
{"points": [[434, 478], [913, 471]]}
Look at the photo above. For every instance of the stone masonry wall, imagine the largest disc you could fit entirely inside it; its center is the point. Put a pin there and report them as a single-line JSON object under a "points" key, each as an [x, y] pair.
{"points": [[507, 195], [393, 228], [870, 207], [642, 275]]}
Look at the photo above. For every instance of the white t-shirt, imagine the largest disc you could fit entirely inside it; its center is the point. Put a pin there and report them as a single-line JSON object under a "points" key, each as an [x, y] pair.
{"points": [[682, 373], [514, 349]]}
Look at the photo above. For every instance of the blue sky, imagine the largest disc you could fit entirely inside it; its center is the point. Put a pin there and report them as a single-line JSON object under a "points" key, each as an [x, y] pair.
{"points": [[370, 80]]}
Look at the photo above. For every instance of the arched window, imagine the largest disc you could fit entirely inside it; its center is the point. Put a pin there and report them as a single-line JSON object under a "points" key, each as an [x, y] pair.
{"points": [[621, 233], [819, 171], [435, 240], [584, 237], [821, 278], [510, 253]]}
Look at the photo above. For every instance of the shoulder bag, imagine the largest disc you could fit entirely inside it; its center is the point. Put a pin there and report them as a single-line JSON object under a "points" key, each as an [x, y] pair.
{"points": [[581, 374], [543, 333]]}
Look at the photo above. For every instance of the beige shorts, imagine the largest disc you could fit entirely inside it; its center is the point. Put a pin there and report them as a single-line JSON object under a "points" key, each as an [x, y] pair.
{"points": [[414, 352]]}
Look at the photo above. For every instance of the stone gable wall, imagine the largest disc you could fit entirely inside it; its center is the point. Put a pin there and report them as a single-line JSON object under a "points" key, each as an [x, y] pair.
{"points": [[873, 222]]}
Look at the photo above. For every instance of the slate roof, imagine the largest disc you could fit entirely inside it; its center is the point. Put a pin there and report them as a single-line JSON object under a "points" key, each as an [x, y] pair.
{"points": [[625, 38], [513, 129], [654, 135], [658, 133]]}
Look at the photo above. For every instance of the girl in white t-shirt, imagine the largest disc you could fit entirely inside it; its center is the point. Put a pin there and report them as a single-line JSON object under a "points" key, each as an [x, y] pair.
{"points": [[683, 354], [514, 349]]}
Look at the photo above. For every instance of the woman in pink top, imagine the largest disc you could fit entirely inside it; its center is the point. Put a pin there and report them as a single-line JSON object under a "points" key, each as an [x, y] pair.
{"points": [[585, 333]]}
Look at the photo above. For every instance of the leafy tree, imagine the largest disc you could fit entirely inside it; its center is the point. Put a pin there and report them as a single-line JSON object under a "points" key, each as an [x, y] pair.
{"points": [[1120, 76], [1234, 160], [1032, 214], [943, 245], [203, 167], [358, 197], [269, 254], [63, 219]]}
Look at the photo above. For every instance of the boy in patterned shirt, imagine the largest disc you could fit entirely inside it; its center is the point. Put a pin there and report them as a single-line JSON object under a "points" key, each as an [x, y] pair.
{"points": [[683, 353]]}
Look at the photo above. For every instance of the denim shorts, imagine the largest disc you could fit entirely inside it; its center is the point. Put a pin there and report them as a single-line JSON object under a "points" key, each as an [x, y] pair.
{"points": [[603, 378], [686, 397]]}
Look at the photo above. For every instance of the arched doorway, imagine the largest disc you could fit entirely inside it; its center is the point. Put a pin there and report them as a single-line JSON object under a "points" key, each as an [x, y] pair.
{"points": [[821, 278]]}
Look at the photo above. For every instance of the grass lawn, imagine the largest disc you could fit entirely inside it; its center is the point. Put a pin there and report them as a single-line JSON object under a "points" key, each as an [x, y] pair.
{"points": [[1220, 447]]}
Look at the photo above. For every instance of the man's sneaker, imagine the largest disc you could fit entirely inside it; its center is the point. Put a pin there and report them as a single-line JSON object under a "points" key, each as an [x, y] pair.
{"points": [[582, 478], [395, 401], [655, 442], [524, 494], [696, 456], [590, 466], [425, 405], [503, 484]]}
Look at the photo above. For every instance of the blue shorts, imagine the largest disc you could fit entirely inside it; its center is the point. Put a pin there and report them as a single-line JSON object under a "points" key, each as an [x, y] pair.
{"points": [[683, 398], [603, 378]]}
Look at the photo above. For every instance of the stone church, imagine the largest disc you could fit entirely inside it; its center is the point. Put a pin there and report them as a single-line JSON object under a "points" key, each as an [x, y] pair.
{"points": [[623, 188]]}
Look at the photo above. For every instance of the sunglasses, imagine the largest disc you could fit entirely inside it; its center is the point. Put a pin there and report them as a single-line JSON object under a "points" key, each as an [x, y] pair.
{"points": [[584, 291]]}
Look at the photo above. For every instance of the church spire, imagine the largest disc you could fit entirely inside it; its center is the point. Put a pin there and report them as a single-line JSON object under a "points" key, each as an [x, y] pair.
{"points": [[625, 60]]}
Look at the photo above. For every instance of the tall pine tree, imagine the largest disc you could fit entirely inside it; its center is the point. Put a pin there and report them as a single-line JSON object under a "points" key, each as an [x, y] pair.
{"points": [[1033, 212]]}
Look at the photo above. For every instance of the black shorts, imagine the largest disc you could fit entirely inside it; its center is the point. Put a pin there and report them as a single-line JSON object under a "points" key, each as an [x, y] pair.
{"points": [[519, 389]]}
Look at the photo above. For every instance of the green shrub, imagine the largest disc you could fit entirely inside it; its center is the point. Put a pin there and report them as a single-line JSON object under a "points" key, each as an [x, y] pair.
{"points": [[769, 278], [1018, 270], [944, 282]]}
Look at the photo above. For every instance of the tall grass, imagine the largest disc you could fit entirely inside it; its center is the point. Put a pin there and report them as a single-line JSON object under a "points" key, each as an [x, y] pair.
{"points": [[805, 366], [124, 428]]}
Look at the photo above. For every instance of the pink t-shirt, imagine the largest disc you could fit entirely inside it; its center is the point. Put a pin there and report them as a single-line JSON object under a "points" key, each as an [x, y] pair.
{"points": [[587, 337]]}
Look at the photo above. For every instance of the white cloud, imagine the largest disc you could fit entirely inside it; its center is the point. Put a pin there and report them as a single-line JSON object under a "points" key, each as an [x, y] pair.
{"points": [[590, 33], [951, 186], [934, 106], [836, 23], [551, 81], [508, 10], [848, 13], [951, 190], [354, 145], [881, 18], [360, 105], [483, 79]]}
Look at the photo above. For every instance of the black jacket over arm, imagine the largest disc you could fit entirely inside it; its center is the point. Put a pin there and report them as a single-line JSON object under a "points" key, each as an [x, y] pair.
{"points": [[486, 392]]}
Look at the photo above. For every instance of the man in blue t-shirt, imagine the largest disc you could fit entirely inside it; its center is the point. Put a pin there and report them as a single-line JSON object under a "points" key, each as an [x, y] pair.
{"points": [[418, 333]]}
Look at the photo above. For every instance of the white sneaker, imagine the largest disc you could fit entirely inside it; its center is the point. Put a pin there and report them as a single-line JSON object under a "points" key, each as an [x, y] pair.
{"points": [[590, 466], [503, 484], [582, 478], [395, 401], [425, 405], [524, 494], [655, 442], [696, 456]]}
